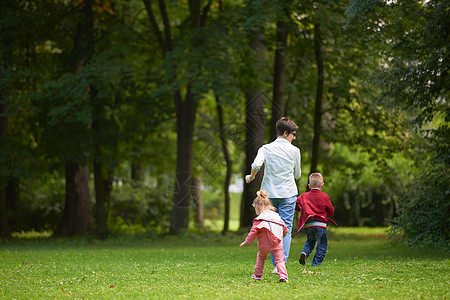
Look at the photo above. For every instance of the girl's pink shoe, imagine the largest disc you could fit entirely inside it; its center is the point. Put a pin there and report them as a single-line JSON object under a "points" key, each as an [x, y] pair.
{"points": [[255, 277]]}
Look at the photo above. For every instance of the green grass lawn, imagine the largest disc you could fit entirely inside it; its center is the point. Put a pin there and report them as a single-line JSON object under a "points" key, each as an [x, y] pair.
{"points": [[361, 263]]}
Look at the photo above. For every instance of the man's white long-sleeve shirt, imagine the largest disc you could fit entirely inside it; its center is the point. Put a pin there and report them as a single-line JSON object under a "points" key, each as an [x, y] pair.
{"points": [[282, 168]]}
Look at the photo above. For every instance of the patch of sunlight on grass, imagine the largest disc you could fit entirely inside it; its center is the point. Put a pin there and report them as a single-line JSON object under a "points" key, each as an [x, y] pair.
{"points": [[31, 234], [381, 232], [217, 225], [359, 230]]}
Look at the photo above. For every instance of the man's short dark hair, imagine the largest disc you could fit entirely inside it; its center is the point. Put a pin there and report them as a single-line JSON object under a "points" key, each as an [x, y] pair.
{"points": [[284, 124]]}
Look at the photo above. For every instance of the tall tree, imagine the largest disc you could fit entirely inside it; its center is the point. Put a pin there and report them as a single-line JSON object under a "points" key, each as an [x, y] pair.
{"points": [[198, 201], [77, 218], [255, 126], [105, 100], [228, 162], [16, 61], [318, 103], [186, 108], [5, 230], [279, 76], [102, 185]]}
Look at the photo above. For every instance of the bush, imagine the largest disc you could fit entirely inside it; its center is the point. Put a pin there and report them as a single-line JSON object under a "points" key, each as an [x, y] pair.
{"points": [[365, 191], [139, 204], [423, 219], [424, 209], [40, 205]]}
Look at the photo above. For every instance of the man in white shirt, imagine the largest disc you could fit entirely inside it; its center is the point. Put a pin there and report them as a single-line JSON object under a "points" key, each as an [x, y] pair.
{"points": [[282, 168]]}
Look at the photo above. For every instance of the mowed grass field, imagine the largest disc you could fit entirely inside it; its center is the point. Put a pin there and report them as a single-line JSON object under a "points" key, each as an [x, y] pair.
{"points": [[361, 263]]}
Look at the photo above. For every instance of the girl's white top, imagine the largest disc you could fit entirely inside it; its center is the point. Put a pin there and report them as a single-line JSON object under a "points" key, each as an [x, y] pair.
{"points": [[282, 168], [272, 222]]}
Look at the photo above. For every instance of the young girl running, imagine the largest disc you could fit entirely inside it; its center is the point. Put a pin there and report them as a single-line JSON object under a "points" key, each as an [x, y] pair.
{"points": [[270, 229]]}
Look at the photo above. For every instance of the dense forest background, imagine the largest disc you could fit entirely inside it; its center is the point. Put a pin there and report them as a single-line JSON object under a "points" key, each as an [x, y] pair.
{"points": [[134, 115]]}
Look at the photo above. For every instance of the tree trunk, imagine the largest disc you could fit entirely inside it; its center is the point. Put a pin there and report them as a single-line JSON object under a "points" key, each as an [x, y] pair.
{"points": [[279, 78], [318, 105], [136, 169], [77, 218], [5, 230], [254, 129], [226, 155], [136, 172], [6, 41], [197, 197], [101, 217], [100, 183], [185, 141], [12, 200], [254, 140], [108, 189]]}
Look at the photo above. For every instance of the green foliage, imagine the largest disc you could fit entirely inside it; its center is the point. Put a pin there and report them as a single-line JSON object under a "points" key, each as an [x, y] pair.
{"points": [[386, 72], [424, 217], [413, 42], [419, 58], [360, 138], [363, 192], [65, 113], [18, 154], [117, 225], [140, 206], [209, 158], [360, 263], [424, 212], [32, 234], [41, 203]]}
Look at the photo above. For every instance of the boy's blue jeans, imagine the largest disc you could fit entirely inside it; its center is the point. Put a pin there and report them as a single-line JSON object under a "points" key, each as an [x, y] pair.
{"points": [[314, 234], [286, 210]]}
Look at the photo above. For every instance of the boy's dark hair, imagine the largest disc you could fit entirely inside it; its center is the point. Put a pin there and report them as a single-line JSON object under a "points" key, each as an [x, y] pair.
{"points": [[284, 124]]}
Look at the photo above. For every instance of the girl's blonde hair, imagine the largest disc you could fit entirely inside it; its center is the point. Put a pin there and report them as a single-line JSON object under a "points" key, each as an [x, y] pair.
{"points": [[262, 202]]}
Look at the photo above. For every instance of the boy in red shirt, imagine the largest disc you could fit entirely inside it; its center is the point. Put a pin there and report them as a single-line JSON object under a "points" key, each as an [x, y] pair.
{"points": [[316, 208]]}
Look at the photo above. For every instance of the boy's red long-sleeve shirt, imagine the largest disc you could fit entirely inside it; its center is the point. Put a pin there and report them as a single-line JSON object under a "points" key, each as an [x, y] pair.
{"points": [[314, 205]]}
